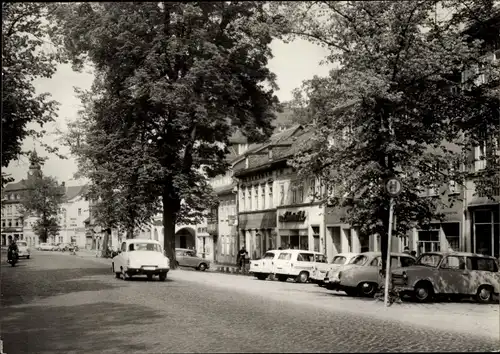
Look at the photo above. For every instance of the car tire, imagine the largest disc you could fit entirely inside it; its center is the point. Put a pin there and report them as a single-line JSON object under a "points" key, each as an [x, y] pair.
{"points": [[423, 292], [367, 289], [303, 277], [163, 276], [261, 276], [202, 267], [484, 294], [353, 292]]}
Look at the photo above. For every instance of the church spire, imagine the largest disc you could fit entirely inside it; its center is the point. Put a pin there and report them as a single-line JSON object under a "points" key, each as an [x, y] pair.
{"points": [[35, 169]]}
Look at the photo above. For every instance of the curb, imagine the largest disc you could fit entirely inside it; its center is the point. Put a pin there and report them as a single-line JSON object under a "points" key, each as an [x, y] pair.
{"points": [[229, 270]]}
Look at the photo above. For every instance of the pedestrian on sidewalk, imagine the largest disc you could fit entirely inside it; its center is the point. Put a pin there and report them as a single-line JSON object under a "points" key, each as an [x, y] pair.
{"points": [[242, 256]]}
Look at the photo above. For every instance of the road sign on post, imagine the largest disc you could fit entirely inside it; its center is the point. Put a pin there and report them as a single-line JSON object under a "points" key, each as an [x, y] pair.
{"points": [[393, 187]]}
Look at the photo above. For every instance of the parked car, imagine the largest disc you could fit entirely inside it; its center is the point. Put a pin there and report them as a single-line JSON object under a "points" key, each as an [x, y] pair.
{"points": [[70, 247], [140, 257], [59, 247], [24, 250], [361, 276], [262, 268], [46, 247], [458, 274], [297, 264], [188, 258], [321, 269]]}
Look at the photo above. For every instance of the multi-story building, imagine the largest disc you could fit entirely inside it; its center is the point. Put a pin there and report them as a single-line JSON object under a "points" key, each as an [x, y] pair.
{"points": [[12, 196], [74, 212]]}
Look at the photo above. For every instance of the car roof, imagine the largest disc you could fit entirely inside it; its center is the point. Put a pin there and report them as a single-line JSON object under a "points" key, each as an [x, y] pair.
{"points": [[347, 254], [460, 254], [142, 240], [299, 251], [377, 254]]}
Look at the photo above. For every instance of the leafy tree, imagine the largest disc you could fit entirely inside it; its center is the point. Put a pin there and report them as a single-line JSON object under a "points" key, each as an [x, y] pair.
{"points": [[25, 57], [43, 198], [389, 109], [173, 81]]}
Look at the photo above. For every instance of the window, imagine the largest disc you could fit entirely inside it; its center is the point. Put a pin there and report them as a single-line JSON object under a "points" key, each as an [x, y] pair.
{"points": [[294, 195], [242, 206], [263, 196], [305, 257], [338, 260], [285, 256], [270, 196], [256, 193], [300, 194], [428, 239], [315, 230], [321, 259], [407, 261], [190, 254], [376, 262], [452, 187], [79, 211], [482, 264], [282, 194], [360, 260], [249, 206], [452, 234], [268, 255], [479, 157], [453, 262]]}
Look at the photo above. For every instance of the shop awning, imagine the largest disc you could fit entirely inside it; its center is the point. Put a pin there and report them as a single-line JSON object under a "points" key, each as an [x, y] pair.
{"points": [[264, 220]]}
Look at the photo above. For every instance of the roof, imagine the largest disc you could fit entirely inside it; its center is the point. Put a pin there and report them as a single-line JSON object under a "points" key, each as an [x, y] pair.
{"points": [[225, 189], [74, 191], [15, 186], [460, 254]]}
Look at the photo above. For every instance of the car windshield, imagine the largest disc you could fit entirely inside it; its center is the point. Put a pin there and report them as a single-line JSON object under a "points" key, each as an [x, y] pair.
{"points": [[22, 244], [338, 260], [360, 260], [145, 247], [429, 260]]}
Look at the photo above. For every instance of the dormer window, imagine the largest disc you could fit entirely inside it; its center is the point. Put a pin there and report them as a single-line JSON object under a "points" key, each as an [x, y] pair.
{"points": [[270, 154]]}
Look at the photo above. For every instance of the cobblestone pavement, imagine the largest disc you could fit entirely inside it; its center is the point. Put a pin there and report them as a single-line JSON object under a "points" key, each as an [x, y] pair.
{"points": [[58, 303]]}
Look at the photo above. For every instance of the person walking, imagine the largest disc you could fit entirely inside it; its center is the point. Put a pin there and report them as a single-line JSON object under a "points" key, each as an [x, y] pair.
{"points": [[242, 256]]}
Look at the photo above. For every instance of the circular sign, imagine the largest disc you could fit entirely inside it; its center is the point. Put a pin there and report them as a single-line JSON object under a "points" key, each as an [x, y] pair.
{"points": [[393, 186]]}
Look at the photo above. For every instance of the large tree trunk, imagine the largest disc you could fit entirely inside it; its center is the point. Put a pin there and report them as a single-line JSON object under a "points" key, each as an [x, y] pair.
{"points": [[170, 209]]}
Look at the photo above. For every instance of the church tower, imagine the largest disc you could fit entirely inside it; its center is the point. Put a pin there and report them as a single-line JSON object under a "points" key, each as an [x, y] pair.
{"points": [[35, 170]]}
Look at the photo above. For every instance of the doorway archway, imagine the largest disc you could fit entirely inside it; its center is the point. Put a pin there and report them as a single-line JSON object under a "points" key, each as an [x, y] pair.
{"points": [[185, 238]]}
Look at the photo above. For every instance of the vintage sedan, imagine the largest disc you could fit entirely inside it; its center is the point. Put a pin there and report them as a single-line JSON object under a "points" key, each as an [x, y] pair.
{"points": [[24, 250], [46, 247], [140, 257], [262, 268], [188, 258], [457, 274], [361, 276], [321, 270]]}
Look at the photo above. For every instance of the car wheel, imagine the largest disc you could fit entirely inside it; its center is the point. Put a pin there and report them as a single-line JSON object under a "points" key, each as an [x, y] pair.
{"points": [[423, 292], [367, 289], [163, 276], [302, 277], [150, 276], [202, 267], [484, 294], [261, 276], [282, 277]]}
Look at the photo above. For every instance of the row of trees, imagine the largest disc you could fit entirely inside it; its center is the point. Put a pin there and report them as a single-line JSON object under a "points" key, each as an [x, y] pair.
{"points": [[174, 80], [397, 104]]}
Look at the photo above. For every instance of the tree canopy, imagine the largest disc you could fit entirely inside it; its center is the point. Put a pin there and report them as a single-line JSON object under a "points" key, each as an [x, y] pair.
{"points": [[173, 80], [395, 107], [25, 57]]}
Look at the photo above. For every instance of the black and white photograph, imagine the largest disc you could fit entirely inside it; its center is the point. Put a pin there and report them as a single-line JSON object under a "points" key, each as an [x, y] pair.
{"points": [[250, 177]]}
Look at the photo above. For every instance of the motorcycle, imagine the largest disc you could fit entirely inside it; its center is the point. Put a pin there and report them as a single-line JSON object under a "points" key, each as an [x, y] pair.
{"points": [[14, 258]]}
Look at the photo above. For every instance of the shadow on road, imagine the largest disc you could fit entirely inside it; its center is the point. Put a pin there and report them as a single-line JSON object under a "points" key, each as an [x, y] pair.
{"points": [[86, 328], [22, 287]]}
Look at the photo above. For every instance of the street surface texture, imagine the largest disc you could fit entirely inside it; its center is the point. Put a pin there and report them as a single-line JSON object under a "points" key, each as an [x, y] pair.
{"points": [[61, 303]]}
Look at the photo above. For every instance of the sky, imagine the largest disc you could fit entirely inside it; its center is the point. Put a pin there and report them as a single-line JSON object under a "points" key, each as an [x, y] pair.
{"points": [[293, 63]]}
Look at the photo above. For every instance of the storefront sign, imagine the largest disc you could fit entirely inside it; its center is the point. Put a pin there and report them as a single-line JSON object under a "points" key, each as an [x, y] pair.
{"points": [[289, 216]]}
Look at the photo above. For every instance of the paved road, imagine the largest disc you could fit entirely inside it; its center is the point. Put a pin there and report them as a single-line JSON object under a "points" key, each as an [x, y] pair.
{"points": [[67, 304]]}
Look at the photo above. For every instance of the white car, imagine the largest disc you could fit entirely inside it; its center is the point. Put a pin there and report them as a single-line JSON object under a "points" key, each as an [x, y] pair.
{"points": [[261, 268], [46, 247], [321, 269], [140, 257], [24, 250], [297, 264]]}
